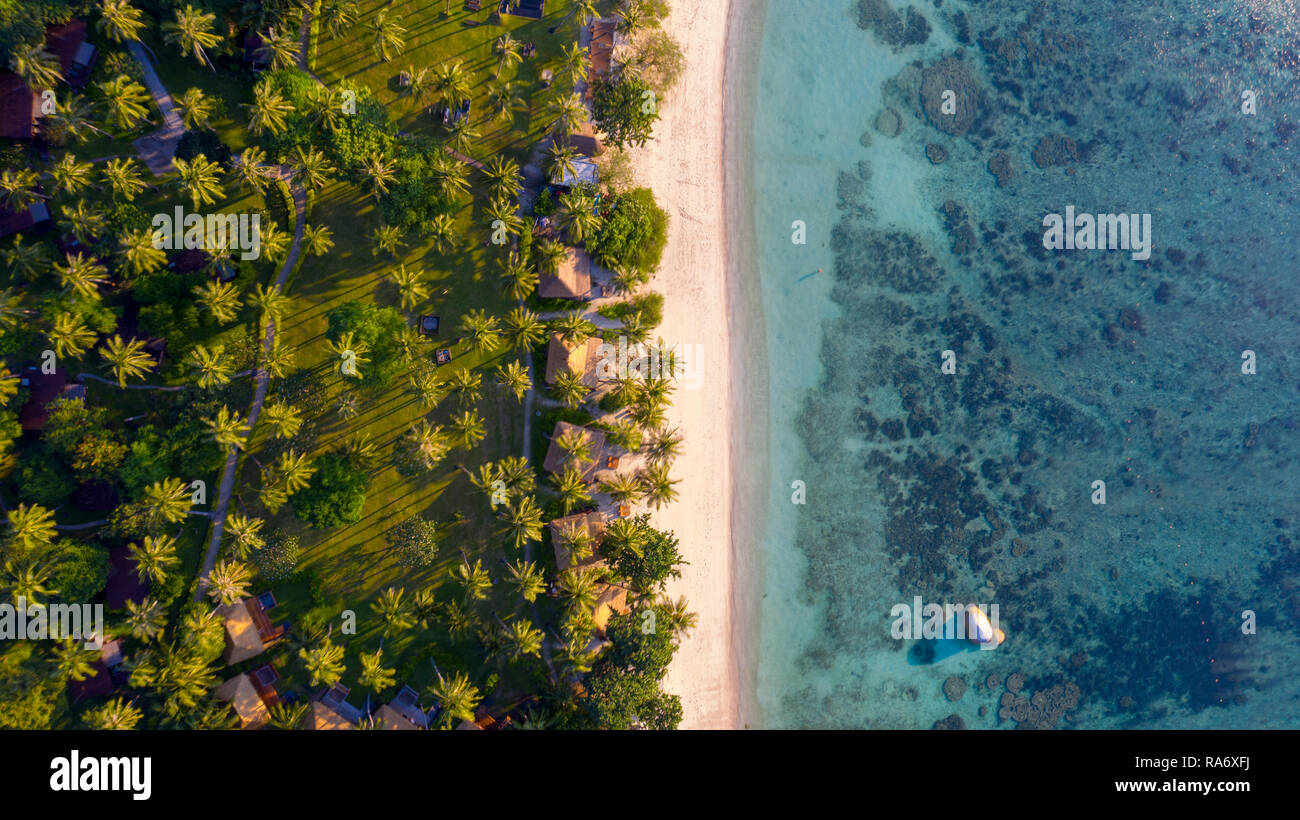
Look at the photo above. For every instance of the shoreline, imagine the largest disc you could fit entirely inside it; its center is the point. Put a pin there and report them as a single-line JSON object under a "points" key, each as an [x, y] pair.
{"points": [[690, 168]]}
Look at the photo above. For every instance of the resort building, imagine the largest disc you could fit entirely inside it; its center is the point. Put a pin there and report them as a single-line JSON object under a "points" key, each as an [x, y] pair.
{"points": [[248, 630], [571, 280], [557, 458], [593, 523], [402, 712], [332, 711], [580, 358], [245, 700]]}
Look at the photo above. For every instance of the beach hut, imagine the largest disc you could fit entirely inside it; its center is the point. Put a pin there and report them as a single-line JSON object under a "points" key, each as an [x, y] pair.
{"points": [[580, 358], [593, 523], [557, 458], [244, 699], [571, 280]]}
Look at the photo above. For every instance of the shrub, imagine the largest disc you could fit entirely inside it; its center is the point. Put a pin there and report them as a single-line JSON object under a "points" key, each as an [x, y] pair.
{"points": [[633, 233], [415, 541], [193, 143], [82, 574], [278, 557], [337, 494]]}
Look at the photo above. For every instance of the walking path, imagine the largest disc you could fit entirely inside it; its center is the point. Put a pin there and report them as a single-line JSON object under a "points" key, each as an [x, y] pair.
{"points": [[259, 394], [157, 149]]}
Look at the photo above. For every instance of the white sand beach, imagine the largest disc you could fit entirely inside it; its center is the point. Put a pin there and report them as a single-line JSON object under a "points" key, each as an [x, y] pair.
{"points": [[684, 165]]}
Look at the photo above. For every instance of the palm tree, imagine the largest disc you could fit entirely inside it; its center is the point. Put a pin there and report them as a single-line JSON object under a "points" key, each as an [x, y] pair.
{"points": [[71, 175], [27, 261], [572, 327], [388, 239], [523, 521], [351, 352], [146, 618], [76, 116], [517, 474], [326, 106], [475, 580], [526, 578], [658, 485], [548, 255], [86, 222], [228, 582], [664, 446], [379, 171], [227, 429], [452, 83], [504, 213], [469, 426], [313, 168], [269, 112], [514, 377], [518, 278], [482, 330], [252, 170], [424, 445], [318, 239], [457, 697], [413, 287], [566, 114], [196, 109], [569, 389], [585, 9], [201, 179], [155, 556], [339, 16], [246, 534], [287, 716], [635, 16], [522, 638], [127, 102], [324, 663], [576, 444], [280, 49], [467, 384], [503, 173], [509, 49], [192, 33], [453, 179], [284, 418], [139, 253], [18, 188], [374, 675], [126, 359], [572, 488], [419, 83], [294, 470], [392, 609], [441, 230], [221, 299], [70, 336], [36, 66], [120, 21], [578, 584], [116, 714], [389, 40], [123, 178], [575, 63], [461, 136], [279, 360], [31, 527], [504, 101], [167, 500], [623, 488], [213, 367], [523, 329], [578, 216], [561, 161], [82, 275], [270, 302]]}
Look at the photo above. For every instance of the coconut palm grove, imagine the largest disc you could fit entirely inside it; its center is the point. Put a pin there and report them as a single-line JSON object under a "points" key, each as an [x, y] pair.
{"points": [[306, 311]]}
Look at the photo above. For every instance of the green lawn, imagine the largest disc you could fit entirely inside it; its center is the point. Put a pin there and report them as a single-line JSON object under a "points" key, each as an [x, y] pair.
{"points": [[345, 568]]}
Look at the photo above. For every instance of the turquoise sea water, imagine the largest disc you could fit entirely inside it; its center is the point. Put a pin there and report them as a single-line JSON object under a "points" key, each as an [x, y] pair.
{"points": [[1071, 366]]}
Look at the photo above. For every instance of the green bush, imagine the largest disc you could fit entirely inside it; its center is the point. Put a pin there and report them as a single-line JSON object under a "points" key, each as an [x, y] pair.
{"points": [[633, 233], [278, 557], [336, 496], [82, 572]]}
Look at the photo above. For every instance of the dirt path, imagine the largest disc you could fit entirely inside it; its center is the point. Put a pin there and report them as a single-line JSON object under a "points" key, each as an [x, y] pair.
{"points": [[259, 395]]}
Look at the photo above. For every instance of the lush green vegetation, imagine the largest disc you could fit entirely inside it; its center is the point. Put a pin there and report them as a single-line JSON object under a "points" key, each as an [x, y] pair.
{"points": [[385, 490]]}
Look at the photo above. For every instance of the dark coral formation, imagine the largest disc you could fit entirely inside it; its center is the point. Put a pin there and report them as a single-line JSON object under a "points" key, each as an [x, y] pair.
{"points": [[894, 28], [954, 687], [951, 74], [1056, 149]]}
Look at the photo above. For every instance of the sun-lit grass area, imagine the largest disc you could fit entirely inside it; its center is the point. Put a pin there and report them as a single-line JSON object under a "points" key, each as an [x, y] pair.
{"points": [[346, 567]]}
